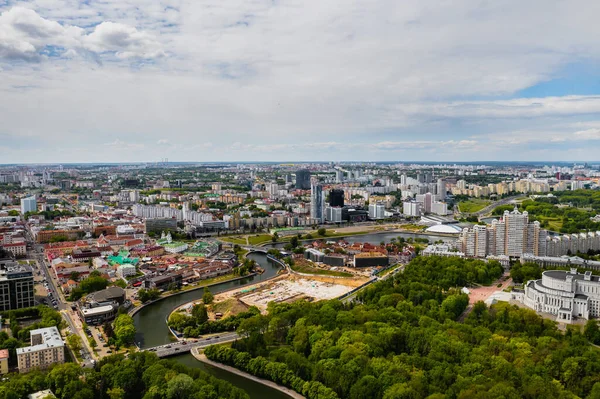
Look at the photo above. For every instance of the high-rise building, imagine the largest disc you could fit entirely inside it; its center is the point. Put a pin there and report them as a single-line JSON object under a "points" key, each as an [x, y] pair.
{"points": [[336, 197], [303, 179], [28, 204], [317, 200], [441, 189], [377, 210], [16, 286], [411, 208], [333, 214], [339, 176]]}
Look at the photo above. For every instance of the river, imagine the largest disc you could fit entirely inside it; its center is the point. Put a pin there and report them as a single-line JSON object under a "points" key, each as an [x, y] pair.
{"points": [[151, 327]]}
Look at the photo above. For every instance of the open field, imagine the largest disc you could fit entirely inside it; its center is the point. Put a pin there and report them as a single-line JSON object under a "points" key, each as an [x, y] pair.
{"points": [[473, 205]]}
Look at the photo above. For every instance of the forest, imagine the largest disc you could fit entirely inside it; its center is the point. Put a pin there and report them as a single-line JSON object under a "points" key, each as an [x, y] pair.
{"points": [[141, 375], [401, 339]]}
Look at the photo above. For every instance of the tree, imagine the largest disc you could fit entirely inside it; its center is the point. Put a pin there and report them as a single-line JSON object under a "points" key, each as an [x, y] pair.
{"points": [[207, 297], [294, 241], [13, 212], [275, 237], [75, 276], [322, 232], [124, 329], [180, 387], [74, 342], [148, 295], [200, 314]]}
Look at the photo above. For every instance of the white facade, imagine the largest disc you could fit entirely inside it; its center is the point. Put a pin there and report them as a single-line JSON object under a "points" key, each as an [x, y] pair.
{"points": [[411, 209], [565, 294], [28, 204], [333, 214], [377, 210], [126, 271]]}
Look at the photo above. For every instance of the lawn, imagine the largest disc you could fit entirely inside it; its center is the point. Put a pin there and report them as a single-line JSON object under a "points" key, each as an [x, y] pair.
{"points": [[554, 224], [234, 240], [259, 239], [473, 205], [305, 268]]}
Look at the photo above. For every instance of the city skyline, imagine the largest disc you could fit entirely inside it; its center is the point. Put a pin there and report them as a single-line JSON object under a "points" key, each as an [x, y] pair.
{"points": [[206, 81]]}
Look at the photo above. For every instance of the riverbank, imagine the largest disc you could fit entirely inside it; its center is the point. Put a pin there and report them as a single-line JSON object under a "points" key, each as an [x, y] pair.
{"points": [[202, 358], [133, 311]]}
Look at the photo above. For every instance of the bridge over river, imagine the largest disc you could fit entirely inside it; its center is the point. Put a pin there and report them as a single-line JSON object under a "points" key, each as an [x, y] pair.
{"points": [[181, 347]]}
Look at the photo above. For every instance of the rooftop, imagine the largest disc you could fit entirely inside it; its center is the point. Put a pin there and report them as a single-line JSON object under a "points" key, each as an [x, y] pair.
{"points": [[50, 339]]}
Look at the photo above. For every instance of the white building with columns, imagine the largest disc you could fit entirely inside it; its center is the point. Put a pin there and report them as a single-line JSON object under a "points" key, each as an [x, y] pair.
{"points": [[566, 294]]}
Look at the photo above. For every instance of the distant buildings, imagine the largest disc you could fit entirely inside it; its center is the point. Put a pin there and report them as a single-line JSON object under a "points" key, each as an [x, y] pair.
{"points": [[47, 348], [28, 204]]}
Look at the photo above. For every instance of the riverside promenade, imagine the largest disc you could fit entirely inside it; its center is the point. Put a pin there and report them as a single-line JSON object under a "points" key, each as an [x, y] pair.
{"points": [[202, 358]]}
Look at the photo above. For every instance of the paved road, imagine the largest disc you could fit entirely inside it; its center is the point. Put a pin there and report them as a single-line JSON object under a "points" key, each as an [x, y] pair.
{"points": [[493, 205], [185, 346]]}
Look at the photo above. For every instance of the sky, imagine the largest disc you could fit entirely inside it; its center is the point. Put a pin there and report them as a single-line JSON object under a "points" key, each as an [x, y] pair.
{"points": [[299, 80]]}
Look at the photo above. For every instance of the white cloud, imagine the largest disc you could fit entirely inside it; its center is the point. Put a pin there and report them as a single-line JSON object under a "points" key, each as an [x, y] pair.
{"points": [[25, 35], [295, 78]]}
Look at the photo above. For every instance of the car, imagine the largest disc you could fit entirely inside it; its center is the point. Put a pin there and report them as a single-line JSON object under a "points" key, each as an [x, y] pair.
{"points": [[168, 346], [184, 343], [106, 346], [216, 336], [176, 349], [109, 351]]}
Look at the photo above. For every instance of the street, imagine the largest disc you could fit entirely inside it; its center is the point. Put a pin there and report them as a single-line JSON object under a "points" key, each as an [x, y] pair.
{"points": [[70, 317]]}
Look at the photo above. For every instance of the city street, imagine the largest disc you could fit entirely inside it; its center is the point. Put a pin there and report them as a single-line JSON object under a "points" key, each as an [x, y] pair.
{"points": [[70, 317]]}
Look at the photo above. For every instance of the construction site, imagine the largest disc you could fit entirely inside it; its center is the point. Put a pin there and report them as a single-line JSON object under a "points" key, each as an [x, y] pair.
{"points": [[294, 288]]}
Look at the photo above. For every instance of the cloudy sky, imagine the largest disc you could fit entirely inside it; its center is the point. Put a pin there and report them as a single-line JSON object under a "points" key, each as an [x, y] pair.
{"points": [[292, 80]]}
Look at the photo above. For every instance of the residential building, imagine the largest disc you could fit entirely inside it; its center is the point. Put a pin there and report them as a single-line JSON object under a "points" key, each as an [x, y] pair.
{"points": [[28, 204], [4, 361], [18, 249], [411, 208], [377, 210], [333, 214], [47, 348], [45, 394], [126, 271]]}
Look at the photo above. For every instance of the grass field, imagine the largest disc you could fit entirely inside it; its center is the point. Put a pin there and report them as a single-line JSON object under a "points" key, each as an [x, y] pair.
{"points": [[473, 205], [554, 224], [304, 268]]}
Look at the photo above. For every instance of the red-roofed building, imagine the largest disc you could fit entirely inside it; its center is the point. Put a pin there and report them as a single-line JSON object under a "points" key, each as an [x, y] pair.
{"points": [[18, 249]]}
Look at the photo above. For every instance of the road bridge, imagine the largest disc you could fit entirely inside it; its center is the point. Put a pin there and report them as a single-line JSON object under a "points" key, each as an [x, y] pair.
{"points": [[178, 348]]}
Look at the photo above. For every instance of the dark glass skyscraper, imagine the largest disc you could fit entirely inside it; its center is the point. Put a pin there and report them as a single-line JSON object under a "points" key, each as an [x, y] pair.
{"points": [[303, 179], [336, 197]]}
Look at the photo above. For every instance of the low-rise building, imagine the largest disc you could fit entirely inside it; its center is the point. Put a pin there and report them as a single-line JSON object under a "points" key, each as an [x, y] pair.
{"points": [[47, 348], [126, 270], [4, 361], [371, 259], [18, 249]]}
